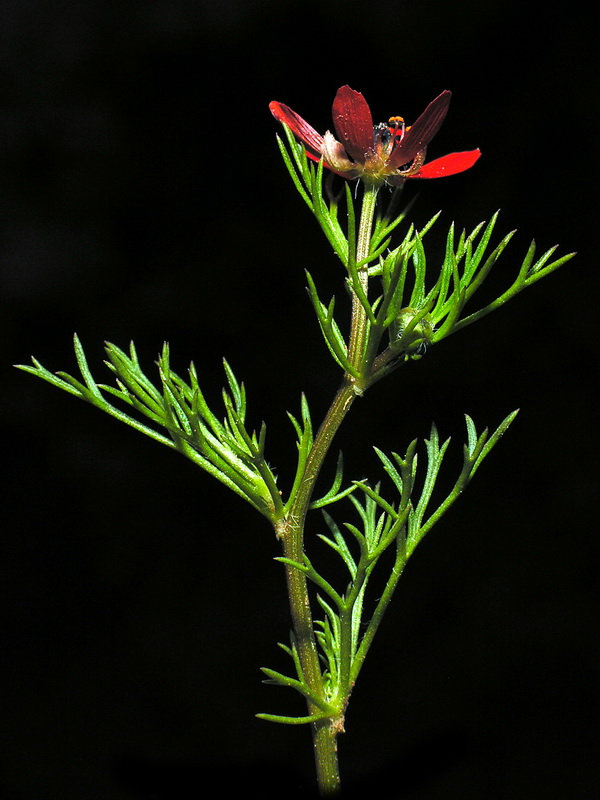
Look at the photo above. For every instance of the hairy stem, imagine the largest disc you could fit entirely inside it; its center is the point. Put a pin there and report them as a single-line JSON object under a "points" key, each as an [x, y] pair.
{"points": [[358, 329], [290, 529]]}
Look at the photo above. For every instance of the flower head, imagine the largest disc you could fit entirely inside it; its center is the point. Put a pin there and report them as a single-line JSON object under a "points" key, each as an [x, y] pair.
{"points": [[389, 152]]}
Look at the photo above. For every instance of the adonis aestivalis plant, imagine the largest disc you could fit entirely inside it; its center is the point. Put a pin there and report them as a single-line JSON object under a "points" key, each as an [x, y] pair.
{"points": [[400, 307]]}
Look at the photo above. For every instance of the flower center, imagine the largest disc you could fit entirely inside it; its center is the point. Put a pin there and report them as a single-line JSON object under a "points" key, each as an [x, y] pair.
{"points": [[387, 135]]}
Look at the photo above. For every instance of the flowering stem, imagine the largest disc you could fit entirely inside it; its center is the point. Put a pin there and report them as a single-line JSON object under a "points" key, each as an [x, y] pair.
{"points": [[358, 330], [291, 532], [290, 529]]}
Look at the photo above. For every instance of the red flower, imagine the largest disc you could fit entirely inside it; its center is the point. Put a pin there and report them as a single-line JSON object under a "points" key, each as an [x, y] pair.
{"points": [[388, 152]]}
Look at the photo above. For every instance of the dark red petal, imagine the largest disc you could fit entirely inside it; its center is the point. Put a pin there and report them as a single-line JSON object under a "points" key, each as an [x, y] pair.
{"points": [[353, 122], [298, 126], [448, 165], [422, 132]]}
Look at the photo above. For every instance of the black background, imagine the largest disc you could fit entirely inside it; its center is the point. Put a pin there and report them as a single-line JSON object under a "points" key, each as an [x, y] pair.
{"points": [[142, 197]]}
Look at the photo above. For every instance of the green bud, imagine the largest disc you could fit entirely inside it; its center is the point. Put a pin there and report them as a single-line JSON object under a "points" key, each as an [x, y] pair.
{"points": [[411, 332]]}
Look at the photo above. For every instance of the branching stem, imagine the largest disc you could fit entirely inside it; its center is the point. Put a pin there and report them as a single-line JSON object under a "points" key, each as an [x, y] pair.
{"points": [[291, 529]]}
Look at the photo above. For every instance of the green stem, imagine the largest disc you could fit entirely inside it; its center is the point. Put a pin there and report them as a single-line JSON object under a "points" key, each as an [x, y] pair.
{"points": [[291, 532], [384, 601], [290, 529], [359, 327]]}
